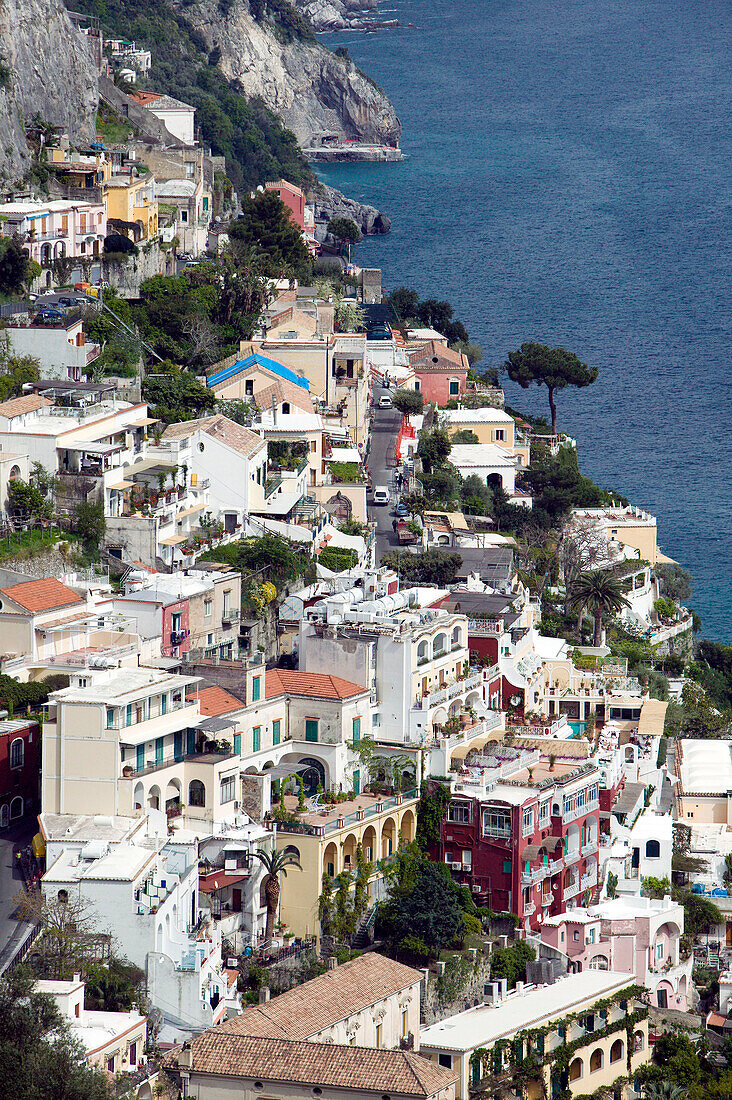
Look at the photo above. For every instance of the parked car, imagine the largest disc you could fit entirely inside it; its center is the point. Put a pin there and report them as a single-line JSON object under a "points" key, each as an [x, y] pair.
{"points": [[49, 314], [66, 301], [401, 511], [82, 286], [381, 494], [385, 402]]}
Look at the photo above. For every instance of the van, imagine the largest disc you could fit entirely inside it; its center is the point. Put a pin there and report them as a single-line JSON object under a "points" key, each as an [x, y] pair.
{"points": [[385, 402], [381, 495]]}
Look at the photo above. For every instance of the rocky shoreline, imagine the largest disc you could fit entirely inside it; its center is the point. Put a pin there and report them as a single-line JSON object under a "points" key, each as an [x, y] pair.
{"points": [[330, 203]]}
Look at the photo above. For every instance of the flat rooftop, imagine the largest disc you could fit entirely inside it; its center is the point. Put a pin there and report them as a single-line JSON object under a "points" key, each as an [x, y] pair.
{"points": [[533, 1007], [124, 686], [705, 767]]}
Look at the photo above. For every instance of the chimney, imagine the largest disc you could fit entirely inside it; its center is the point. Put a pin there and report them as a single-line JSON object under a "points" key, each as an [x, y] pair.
{"points": [[264, 994], [185, 1058], [332, 962], [519, 988], [491, 994], [77, 978]]}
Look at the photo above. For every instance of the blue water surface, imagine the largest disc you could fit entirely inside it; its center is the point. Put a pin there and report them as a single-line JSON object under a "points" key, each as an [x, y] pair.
{"points": [[568, 180]]}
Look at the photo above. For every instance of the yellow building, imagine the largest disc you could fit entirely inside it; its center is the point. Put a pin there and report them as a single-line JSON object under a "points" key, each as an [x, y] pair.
{"points": [[490, 426], [626, 526], [326, 841], [595, 1012], [131, 199]]}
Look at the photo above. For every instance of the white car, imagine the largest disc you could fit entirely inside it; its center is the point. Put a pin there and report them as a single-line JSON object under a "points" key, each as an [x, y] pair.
{"points": [[385, 402], [381, 495]]}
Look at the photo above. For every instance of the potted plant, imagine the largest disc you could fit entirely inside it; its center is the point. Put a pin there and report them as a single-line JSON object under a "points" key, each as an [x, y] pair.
{"points": [[552, 761]]}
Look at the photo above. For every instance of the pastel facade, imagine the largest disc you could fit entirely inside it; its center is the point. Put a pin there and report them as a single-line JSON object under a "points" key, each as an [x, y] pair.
{"points": [[20, 757], [131, 199], [55, 229], [60, 346], [114, 1041]]}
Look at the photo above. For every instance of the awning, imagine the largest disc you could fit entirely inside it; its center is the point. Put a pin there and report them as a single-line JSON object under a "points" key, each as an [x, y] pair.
{"points": [[190, 511], [652, 718], [93, 448], [551, 843], [281, 771], [530, 852], [148, 464], [460, 752], [173, 540], [480, 742], [120, 485], [145, 420], [39, 846]]}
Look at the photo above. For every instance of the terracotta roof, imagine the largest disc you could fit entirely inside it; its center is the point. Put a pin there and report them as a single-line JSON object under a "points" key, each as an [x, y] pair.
{"points": [[41, 595], [317, 684], [435, 347], [302, 1012], [17, 406], [221, 1054], [187, 428], [282, 390], [215, 701], [285, 186], [145, 98], [234, 435]]}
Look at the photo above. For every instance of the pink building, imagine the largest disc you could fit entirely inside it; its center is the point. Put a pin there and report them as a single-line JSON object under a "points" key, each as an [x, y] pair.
{"points": [[440, 372], [52, 230], [632, 935], [292, 197]]}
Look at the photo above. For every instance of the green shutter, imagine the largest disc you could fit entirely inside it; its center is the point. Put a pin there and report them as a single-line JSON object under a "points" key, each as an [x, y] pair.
{"points": [[311, 729], [178, 746], [140, 757], [356, 730], [237, 743], [256, 738], [276, 732], [357, 781], [191, 742], [159, 747], [256, 688]]}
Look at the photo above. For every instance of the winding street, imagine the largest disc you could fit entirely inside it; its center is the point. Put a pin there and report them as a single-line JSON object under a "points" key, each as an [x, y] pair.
{"points": [[384, 432]]}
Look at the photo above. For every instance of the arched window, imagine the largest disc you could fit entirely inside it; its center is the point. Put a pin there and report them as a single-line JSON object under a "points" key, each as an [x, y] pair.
{"points": [[575, 1069], [653, 849], [596, 1060], [439, 645], [639, 1041], [4, 816], [62, 896], [617, 1050], [456, 636], [17, 753], [196, 793], [422, 650], [285, 408], [291, 850], [598, 962], [16, 808], [14, 473]]}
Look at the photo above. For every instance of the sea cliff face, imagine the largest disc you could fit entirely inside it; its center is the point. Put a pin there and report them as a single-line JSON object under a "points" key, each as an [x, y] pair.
{"points": [[49, 73], [313, 91], [338, 15]]}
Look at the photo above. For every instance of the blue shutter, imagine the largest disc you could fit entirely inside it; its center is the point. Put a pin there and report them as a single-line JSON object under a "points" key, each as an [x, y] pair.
{"points": [[159, 749], [178, 746], [140, 757]]}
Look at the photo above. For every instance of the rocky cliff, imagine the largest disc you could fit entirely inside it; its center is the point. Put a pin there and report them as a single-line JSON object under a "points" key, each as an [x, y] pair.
{"points": [[46, 72], [330, 203], [338, 15], [312, 90]]}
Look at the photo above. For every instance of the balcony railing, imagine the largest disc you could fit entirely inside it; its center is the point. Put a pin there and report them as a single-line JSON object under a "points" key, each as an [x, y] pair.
{"points": [[529, 908], [572, 890], [590, 848], [121, 723], [340, 822], [572, 857], [589, 879], [450, 691], [131, 771]]}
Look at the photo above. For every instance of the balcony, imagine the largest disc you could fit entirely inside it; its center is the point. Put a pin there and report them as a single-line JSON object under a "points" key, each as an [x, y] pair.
{"points": [[546, 901], [178, 636], [230, 616], [572, 890], [556, 865], [131, 771], [572, 857], [528, 878], [529, 909], [590, 848], [450, 691], [588, 880]]}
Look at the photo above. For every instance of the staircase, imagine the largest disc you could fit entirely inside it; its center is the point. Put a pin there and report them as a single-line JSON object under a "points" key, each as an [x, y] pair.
{"points": [[364, 935]]}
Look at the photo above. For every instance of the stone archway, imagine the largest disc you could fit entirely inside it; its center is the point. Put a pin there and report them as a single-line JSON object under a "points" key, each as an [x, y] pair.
{"points": [[313, 775]]}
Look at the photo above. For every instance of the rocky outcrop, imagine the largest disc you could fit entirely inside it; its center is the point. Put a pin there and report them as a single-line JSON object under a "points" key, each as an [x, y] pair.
{"points": [[312, 90], [47, 72], [337, 15], [330, 203]]}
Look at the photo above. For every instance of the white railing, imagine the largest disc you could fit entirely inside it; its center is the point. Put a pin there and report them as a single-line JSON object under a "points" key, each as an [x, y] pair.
{"points": [[450, 691], [555, 865], [590, 848], [573, 890], [529, 908], [588, 880], [572, 857], [528, 878]]}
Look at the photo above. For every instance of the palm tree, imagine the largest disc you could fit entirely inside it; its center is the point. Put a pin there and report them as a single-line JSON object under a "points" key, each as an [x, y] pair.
{"points": [[664, 1090], [275, 863], [600, 592]]}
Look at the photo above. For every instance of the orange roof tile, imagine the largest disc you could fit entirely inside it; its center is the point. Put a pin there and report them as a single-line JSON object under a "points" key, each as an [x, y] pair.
{"points": [[17, 406], [319, 685], [391, 1072], [307, 1009], [215, 701], [41, 595]]}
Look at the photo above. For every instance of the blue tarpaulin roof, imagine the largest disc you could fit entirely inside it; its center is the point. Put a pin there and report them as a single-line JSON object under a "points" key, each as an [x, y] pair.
{"points": [[257, 360]]}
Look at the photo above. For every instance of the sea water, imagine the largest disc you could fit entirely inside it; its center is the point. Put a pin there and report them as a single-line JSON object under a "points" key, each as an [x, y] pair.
{"points": [[568, 180]]}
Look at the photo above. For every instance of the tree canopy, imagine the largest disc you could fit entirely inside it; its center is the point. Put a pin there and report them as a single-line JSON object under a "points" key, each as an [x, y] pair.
{"points": [[431, 567], [408, 402], [423, 911], [265, 224], [555, 368], [176, 395]]}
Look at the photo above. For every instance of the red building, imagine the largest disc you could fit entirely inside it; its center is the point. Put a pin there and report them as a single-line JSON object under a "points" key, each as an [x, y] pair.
{"points": [[20, 768], [292, 197], [528, 846], [440, 372]]}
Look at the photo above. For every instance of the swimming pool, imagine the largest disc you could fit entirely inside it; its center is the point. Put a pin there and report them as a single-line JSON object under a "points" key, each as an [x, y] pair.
{"points": [[578, 728]]}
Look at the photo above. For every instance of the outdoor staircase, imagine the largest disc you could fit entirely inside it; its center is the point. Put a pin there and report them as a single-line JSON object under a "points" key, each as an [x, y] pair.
{"points": [[364, 934]]}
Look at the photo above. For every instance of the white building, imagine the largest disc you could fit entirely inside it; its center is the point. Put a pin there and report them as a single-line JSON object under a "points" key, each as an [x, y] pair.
{"points": [[494, 465], [55, 229], [177, 117], [114, 1041], [60, 347]]}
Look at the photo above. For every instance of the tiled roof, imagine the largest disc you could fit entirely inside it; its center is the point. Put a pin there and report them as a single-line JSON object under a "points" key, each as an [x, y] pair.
{"points": [[145, 98], [17, 406], [393, 1072], [282, 390], [41, 595], [219, 375], [234, 435], [316, 1005], [187, 428], [215, 701], [317, 684], [435, 356], [285, 186]]}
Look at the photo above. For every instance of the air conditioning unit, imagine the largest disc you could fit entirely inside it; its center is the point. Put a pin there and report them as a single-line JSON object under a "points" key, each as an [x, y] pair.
{"points": [[475, 888], [457, 866]]}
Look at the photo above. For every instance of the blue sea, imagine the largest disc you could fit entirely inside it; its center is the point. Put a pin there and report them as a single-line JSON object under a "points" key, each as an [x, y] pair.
{"points": [[568, 180]]}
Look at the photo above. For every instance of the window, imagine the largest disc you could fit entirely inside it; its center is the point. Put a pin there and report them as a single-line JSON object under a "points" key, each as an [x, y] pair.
{"points": [[596, 1060], [599, 962], [543, 814], [196, 793], [311, 729], [228, 788], [128, 715], [227, 599], [575, 1069], [497, 823], [16, 808], [575, 936], [499, 435], [132, 1054], [237, 743], [617, 1050], [507, 866], [459, 812], [356, 730], [276, 732], [445, 1060], [256, 738], [467, 858], [184, 217], [653, 849], [207, 608], [285, 408], [659, 951], [249, 387], [256, 688], [416, 385], [17, 753], [454, 387], [110, 1064], [528, 821], [379, 1035]]}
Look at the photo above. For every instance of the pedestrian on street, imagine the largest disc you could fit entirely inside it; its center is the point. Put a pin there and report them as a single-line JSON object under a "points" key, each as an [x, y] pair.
{"points": [[394, 526]]}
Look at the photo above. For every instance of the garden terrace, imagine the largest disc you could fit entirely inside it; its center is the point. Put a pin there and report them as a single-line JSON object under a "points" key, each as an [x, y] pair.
{"points": [[332, 818]]}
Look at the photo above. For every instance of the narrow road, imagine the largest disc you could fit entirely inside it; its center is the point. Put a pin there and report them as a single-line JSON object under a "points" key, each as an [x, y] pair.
{"points": [[383, 437], [11, 884]]}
